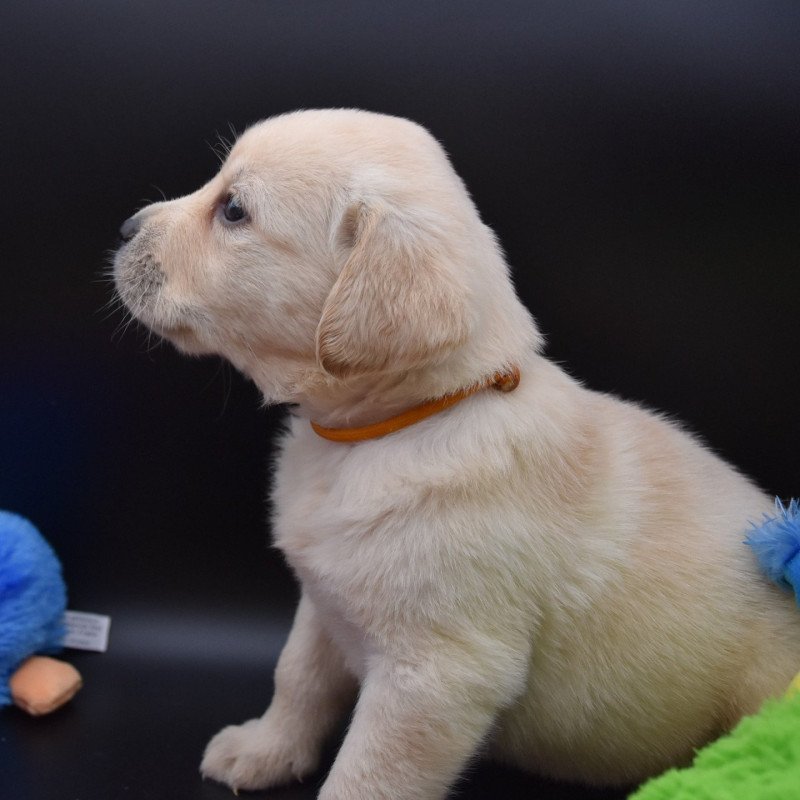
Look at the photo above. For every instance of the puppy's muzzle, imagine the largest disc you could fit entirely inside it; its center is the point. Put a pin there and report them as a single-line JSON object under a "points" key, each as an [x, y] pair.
{"points": [[130, 228]]}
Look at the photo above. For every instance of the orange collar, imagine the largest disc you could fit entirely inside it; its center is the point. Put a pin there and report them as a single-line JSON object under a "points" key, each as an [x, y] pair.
{"points": [[504, 381]]}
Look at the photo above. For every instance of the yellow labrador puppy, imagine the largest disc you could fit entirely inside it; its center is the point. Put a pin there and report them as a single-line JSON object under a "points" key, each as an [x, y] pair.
{"points": [[550, 574]]}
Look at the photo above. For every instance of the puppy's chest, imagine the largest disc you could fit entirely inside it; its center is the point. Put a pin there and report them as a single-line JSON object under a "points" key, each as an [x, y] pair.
{"points": [[330, 521], [333, 542], [306, 498]]}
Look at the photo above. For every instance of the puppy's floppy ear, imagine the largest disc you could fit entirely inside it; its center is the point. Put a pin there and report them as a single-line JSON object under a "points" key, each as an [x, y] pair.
{"points": [[397, 301]]}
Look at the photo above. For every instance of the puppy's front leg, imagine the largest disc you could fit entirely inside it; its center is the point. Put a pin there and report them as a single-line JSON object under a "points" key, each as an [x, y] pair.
{"points": [[313, 691], [414, 729]]}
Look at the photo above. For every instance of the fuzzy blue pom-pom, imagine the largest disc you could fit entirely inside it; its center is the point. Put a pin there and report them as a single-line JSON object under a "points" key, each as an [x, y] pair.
{"points": [[776, 543], [33, 597]]}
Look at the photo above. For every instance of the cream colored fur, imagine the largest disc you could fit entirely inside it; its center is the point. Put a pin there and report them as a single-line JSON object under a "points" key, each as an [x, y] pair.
{"points": [[553, 575]]}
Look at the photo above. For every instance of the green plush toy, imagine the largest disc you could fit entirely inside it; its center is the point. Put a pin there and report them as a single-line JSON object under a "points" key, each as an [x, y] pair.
{"points": [[758, 760]]}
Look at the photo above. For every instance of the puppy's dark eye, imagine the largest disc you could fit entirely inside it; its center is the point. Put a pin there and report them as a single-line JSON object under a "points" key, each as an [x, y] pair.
{"points": [[232, 209]]}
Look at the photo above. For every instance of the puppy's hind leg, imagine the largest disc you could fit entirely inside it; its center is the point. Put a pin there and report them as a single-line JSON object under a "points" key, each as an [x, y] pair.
{"points": [[313, 691]]}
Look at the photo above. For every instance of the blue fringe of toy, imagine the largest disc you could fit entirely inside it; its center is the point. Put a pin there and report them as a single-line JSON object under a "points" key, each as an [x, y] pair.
{"points": [[776, 543], [32, 597]]}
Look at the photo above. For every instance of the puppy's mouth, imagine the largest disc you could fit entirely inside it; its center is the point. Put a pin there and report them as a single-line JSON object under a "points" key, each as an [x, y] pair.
{"points": [[142, 285], [139, 280]]}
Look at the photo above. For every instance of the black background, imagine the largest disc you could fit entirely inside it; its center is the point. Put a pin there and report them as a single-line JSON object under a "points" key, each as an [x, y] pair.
{"points": [[638, 160]]}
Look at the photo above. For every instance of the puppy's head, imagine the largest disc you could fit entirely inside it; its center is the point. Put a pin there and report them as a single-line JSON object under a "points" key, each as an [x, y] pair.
{"points": [[340, 242]]}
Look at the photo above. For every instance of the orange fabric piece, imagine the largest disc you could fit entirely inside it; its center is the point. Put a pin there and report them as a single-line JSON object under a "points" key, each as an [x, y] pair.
{"points": [[41, 684], [503, 381]]}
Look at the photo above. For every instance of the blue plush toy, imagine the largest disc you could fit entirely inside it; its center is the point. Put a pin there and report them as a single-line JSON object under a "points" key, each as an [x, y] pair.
{"points": [[776, 543], [32, 603]]}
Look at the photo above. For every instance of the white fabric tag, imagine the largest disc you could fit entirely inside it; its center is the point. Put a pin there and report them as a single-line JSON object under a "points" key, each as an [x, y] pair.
{"points": [[86, 631]]}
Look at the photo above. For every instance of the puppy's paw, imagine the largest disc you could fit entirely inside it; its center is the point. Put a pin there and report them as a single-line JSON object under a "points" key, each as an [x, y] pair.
{"points": [[255, 756]]}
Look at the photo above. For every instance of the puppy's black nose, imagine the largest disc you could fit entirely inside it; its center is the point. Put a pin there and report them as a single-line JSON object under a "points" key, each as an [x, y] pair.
{"points": [[129, 228]]}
